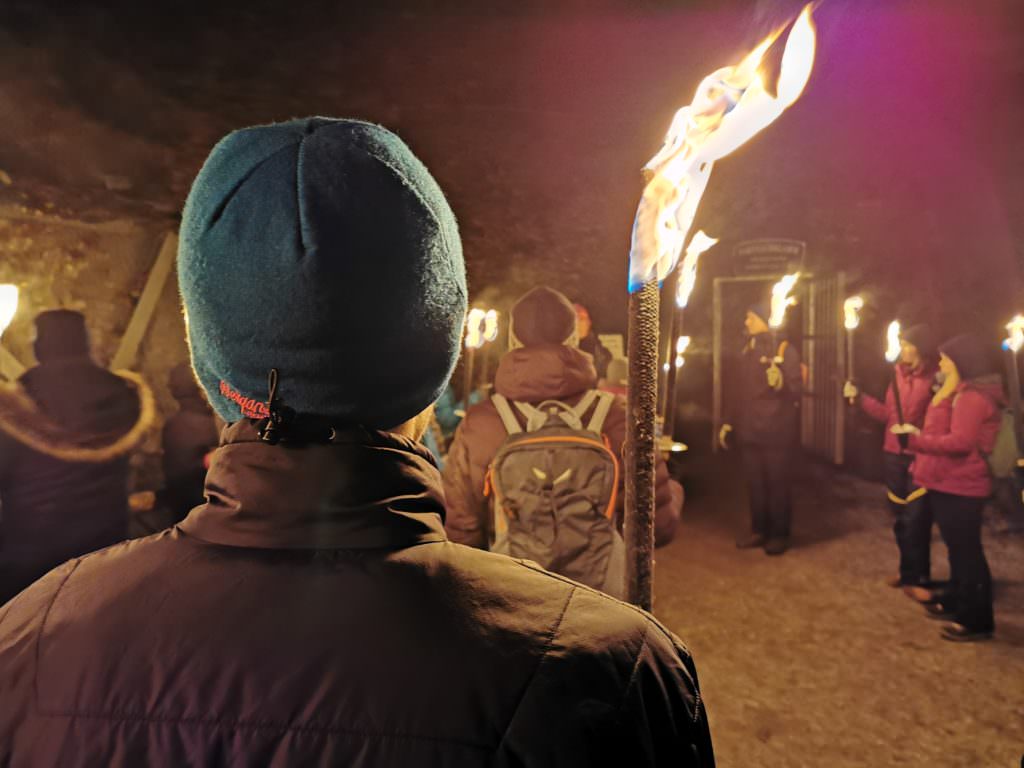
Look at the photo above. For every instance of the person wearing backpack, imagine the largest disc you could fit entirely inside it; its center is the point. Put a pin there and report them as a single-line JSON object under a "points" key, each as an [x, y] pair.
{"points": [[544, 371], [764, 406], [313, 612], [912, 519], [951, 461]]}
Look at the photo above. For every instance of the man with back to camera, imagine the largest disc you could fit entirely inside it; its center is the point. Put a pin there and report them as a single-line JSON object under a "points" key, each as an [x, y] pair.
{"points": [[313, 610]]}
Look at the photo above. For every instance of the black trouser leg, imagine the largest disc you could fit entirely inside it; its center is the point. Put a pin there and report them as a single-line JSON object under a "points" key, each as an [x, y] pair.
{"points": [[757, 487], [916, 549], [777, 469], [912, 523], [959, 519]]}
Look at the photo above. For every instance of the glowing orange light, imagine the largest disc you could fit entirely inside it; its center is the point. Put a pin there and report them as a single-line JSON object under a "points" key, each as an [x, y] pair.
{"points": [[892, 343], [1016, 338], [851, 311], [688, 272], [730, 107], [782, 300], [8, 305]]}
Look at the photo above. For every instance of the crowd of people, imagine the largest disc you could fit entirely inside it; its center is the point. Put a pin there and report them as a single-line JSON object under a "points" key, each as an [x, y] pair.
{"points": [[315, 607], [942, 416], [337, 587]]}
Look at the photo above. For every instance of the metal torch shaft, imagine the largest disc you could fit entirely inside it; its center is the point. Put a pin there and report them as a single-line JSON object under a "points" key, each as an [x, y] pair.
{"points": [[849, 358], [675, 330], [467, 374], [638, 528], [903, 439], [1013, 384]]}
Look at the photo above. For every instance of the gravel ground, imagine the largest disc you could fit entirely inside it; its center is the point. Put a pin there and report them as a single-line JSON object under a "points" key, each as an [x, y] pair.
{"points": [[809, 660]]}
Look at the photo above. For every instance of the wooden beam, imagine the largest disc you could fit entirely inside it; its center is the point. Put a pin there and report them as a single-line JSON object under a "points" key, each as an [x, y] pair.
{"points": [[10, 366], [128, 350]]}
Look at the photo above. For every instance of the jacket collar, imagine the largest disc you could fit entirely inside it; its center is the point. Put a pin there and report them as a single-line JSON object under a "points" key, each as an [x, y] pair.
{"points": [[366, 490]]}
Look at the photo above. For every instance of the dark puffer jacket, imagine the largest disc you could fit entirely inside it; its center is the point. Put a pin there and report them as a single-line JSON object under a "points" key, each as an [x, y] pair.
{"points": [[188, 436], [762, 415], [314, 613], [531, 375], [66, 432]]}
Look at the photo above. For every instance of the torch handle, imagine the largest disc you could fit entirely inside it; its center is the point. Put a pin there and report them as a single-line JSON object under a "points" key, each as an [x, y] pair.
{"points": [[849, 359], [638, 528], [903, 439], [1013, 384], [669, 417]]}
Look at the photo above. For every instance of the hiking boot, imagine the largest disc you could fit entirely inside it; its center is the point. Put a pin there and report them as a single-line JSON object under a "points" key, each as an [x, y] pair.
{"points": [[750, 541], [776, 546], [918, 594], [958, 633], [938, 611]]}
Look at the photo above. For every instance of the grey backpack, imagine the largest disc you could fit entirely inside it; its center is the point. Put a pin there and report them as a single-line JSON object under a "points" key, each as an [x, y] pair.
{"points": [[553, 487]]}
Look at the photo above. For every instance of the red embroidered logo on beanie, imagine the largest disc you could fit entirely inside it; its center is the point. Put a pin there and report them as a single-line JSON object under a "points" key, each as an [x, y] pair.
{"points": [[250, 407]]}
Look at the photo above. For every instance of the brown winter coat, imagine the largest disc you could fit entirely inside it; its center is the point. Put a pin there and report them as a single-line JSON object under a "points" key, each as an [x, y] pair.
{"points": [[314, 613], [531, 375], [66, 430]]}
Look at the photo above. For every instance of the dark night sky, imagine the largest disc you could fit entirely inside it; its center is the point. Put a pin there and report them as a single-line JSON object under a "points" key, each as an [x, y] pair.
{"points": [[902, 164]]}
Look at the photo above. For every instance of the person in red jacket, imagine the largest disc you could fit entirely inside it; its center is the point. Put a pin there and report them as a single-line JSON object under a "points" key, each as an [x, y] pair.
{"points": [[959, 430], [912, 526]]}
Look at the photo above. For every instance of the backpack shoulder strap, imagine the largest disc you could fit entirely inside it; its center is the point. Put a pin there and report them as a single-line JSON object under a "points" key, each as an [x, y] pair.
{"points": [[584, 404], [604, 404], [505, 413]]}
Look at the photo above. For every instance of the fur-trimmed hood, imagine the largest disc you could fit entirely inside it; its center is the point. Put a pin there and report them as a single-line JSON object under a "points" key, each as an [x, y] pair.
{"points": [[93, 432]]}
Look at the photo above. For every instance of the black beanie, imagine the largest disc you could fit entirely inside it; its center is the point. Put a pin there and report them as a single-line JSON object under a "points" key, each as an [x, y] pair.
{"points": [[61, 334], [543, 316], [969, 355], [920, 336]]}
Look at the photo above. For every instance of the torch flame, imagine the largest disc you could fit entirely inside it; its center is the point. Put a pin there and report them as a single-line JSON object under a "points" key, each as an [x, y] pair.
{"points": [[490, 330], [474, 330], [1016, 339], [699, 243], [8, 305], [730, 107], [851, 309], [682, 344], [781, 300], [892, 346]]}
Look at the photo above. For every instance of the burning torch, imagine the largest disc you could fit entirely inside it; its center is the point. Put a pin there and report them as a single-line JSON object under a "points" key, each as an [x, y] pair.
{"points": [[686, 276], [892, 355], [782, 299], [8, 307], [481, 328], [851, 312], [730, 107], [1012, 345]]}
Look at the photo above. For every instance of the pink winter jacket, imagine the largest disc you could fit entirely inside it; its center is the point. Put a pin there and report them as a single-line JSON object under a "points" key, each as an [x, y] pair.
{"points": [[915, 393], [958, 433]]}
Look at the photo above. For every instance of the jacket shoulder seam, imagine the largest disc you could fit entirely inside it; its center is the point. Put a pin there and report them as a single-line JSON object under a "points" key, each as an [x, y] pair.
{"points": [[549, 643], [42, 629]]}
